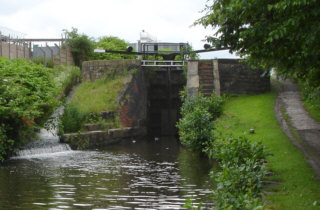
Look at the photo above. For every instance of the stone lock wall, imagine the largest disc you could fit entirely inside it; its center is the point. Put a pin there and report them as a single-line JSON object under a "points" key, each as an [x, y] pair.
{"points": [[225, 76], [93, 70], [132, 101], [238, 78]]}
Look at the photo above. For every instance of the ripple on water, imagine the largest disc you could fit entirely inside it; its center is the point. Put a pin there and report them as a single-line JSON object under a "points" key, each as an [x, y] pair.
{"points": [[112, 180]]}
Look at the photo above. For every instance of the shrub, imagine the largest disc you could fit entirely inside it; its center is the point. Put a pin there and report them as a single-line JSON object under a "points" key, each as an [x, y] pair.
{"points": [[6, 145], [196, 127], [81, 45], [239, 183], [26, 99], [71, 120]]}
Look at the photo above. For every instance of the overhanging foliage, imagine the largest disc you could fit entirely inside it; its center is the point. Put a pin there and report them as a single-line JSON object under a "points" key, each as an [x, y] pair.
{"points": [[282, 34]]}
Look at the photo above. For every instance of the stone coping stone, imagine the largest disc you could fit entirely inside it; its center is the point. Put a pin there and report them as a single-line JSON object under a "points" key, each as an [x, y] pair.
{"points": [[96, 127]]}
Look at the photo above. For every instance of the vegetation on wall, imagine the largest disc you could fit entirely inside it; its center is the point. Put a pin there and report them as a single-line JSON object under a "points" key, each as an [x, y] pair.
{"points": [[88, 100]]}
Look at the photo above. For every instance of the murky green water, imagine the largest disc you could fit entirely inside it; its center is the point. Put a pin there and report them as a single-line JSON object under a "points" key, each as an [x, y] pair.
{"points": [[146, 174]]}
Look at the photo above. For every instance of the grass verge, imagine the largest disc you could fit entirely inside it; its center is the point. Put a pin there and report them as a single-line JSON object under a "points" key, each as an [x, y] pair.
{"points": [[313, 108], [310, 98], [298, 188]]}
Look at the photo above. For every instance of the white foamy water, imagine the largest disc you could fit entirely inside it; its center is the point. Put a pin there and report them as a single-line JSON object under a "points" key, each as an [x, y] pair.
{"points": [[48, 142]]}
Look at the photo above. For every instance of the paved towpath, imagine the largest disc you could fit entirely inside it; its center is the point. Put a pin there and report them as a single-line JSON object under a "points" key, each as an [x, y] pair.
{"points": [[303, 130]]}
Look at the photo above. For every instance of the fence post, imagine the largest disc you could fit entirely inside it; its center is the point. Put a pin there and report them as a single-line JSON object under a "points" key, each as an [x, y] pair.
{"points": [[44, 57], [67, 54], [51, 50], [9, 48], [17, 49], [59, 53]]}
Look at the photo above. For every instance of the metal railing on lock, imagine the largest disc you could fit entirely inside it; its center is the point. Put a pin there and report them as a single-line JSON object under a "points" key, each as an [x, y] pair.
{"points": [[162, 63]]}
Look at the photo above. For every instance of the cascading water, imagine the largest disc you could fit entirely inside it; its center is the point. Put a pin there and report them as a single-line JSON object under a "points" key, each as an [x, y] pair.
{"points": [[49, 140]]}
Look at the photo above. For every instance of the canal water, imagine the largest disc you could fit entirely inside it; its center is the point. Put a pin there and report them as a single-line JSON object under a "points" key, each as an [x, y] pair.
{"points": [[132, 175]]}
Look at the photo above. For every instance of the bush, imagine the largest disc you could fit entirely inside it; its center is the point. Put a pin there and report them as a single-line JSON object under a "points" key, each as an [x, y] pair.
{"points": [[196, 127], [81, 45], [239, 183], [26, 99], [6, 145]]}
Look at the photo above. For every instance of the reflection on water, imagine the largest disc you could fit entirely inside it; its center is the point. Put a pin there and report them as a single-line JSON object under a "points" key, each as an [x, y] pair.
{"points": [[145, 174]]}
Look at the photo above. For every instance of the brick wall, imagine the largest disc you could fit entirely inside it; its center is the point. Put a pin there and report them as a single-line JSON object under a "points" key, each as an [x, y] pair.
{"points": [[132, 101]]}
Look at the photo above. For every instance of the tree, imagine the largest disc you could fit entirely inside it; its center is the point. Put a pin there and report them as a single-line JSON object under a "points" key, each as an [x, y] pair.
{"points": [[271, 33], [111, 43], [81, 45]]}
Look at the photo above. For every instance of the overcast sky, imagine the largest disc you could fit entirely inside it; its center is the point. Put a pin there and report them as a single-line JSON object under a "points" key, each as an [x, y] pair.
{"points": [[168, 20]]}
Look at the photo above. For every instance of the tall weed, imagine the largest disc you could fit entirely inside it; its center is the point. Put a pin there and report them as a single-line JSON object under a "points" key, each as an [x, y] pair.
{"points": [[71, 120]]}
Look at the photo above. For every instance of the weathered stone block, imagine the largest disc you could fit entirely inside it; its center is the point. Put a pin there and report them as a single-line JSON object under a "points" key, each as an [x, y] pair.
{"points": [[107, 114]]}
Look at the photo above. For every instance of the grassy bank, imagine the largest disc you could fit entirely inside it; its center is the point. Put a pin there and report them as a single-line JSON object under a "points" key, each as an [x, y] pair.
{"points": [[88, 100], [98, 96], [313, 108], [298, 188]]}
